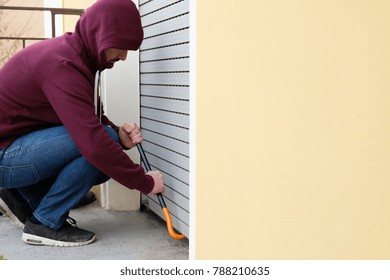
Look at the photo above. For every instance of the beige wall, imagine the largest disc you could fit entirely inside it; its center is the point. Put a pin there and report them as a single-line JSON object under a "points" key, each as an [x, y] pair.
{"points": [[22, 23], [19, 24], [70, 21], [293, 138]]}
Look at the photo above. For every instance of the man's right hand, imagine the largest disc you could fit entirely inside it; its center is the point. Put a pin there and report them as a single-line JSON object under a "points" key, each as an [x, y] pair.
{"points": [[158, 182]]}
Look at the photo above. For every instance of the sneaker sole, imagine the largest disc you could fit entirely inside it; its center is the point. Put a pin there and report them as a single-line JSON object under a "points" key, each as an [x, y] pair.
{"points": [[8, 213], [42, 241]]}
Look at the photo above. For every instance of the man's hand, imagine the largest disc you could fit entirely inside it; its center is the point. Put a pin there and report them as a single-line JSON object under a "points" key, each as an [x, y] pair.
{"points": [[130, 135], [158, 182]]}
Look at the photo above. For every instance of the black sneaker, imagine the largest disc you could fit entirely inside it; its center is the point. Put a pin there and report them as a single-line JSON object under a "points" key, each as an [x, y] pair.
{"points": [[14, 208], [67, 236]]}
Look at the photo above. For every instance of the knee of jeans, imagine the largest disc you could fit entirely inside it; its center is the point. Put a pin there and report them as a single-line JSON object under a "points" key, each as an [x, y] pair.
{"points": [[112, 133]]}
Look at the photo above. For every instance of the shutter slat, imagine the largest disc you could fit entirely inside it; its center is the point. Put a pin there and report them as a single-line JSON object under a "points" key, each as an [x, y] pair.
{"points": [[165, 102]]}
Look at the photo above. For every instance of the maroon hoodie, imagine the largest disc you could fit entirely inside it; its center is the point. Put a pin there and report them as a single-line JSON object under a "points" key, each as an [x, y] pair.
{"points": [[51, 83]]}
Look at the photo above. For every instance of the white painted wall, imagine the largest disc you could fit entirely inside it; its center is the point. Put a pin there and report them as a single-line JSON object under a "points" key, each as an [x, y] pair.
{"points": [[120, 86]]}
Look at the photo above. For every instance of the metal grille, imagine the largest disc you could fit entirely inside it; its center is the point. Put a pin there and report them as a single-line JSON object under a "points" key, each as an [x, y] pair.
{"points": [[164, 77]]}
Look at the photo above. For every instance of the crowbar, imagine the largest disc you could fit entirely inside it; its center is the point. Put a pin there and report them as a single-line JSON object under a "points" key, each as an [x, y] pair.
{"points": [[99, 111], [164, 207]]}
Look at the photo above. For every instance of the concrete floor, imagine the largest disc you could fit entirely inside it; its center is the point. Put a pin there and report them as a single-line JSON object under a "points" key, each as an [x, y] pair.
{"points": [[121, 235]]}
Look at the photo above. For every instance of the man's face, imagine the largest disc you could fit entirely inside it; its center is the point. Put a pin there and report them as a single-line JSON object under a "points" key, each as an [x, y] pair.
{"points": [[112, 55]]}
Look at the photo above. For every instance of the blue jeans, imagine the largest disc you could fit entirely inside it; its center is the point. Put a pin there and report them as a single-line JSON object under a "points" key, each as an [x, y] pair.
{"points": [[48, 171]]}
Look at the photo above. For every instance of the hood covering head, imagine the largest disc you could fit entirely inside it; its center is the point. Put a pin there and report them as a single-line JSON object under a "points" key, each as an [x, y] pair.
{"points": [[109, 24]]}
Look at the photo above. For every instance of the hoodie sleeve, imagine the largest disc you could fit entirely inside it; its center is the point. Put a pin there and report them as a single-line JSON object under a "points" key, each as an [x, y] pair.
{"points": [[70, 93]]}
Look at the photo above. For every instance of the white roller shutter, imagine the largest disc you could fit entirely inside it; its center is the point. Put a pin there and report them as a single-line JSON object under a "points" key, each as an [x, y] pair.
{"points": [[164, 78]]}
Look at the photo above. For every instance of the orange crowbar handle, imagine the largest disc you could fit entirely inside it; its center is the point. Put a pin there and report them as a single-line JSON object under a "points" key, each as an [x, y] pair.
{"points": [[164, 207]]}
